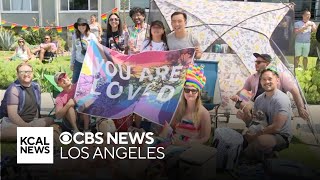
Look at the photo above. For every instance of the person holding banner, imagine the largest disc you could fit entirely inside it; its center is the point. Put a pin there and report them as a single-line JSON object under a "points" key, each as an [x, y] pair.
{"points": [[80, 41], [181, 38], [157, 40], [138, 32], [116, 35], [191, 122], [65, 103]]}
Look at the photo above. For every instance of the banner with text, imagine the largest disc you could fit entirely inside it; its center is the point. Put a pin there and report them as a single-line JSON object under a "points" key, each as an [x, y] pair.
{"points": [[114, 85]]}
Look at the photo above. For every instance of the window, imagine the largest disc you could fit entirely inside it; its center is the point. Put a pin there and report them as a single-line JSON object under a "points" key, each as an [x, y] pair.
{"points": [[20, 5], [128, 4], [73, 5]]}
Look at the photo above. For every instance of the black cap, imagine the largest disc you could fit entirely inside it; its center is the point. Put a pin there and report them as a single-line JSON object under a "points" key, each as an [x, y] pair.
{"points": [[266, 57], [81, 21]]}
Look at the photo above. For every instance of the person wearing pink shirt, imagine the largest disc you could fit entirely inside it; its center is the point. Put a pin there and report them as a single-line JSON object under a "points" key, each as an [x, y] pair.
{"points": [[252, 84], [47, 48]]}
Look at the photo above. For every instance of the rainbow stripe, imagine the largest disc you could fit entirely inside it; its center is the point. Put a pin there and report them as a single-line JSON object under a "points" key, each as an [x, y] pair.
{"points": [[104, 17]]}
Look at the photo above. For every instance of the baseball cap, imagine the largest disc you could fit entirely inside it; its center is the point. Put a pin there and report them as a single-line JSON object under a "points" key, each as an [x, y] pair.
{"points": [[58, 75], [266, 57]]}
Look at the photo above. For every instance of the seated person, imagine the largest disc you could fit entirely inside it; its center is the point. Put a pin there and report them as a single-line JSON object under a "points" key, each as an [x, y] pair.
{"points": [[191, 122], [276, 106], [46, 49], [252, 84], [22, 52], [65, 104], [20, 106]]}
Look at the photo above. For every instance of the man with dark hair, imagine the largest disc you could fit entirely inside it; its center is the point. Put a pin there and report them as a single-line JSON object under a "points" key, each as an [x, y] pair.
{"points": [[180, 38], [138, 32], [303, 31], [20, 106], [252, 84], [276, 107]]}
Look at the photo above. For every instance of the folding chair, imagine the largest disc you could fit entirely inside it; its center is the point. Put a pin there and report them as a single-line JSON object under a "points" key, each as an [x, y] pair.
{"points": [[55, 89], [210, 95]]}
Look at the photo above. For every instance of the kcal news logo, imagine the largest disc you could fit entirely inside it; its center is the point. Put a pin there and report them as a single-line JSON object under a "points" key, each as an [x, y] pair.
{"points": [[35, 145]]}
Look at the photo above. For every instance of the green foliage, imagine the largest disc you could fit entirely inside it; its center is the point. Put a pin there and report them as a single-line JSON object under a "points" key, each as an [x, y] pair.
{"points": [[7, 39], [37, 37], [8, 71], [310, 84], [61, 43]]}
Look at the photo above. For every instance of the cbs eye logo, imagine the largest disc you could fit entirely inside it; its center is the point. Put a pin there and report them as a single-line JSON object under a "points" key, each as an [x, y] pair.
{"points": [[65, 138]]}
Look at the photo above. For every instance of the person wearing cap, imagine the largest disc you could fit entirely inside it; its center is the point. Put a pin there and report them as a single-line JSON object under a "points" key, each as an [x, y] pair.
{"points": [[80, 41], [252, 84], [157, 40], [181, 38], [21, 104], [276, 107], [65, 103], [191, 121]]}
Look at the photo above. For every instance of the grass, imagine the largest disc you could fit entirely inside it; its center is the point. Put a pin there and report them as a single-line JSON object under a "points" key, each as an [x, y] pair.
{"points": [[311, 61]]}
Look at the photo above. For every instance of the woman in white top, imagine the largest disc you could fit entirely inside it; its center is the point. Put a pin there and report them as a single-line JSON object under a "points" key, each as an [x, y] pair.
{"points": [[22, 52], [95, 27], [80, 41], [158, 39]]}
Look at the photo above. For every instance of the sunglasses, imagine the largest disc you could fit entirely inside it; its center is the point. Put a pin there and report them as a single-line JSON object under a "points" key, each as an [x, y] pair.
{"points": [[193, 91], [62, 76], [259, 62], [113, 19], [46, 38], [25, 72], [21, 41]]}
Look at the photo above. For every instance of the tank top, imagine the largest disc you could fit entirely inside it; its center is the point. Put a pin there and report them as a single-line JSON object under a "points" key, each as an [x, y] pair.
{"points": [[94, 28]]}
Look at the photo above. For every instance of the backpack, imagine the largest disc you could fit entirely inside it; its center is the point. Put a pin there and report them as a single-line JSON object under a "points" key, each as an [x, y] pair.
{"points": [[228, 143]]}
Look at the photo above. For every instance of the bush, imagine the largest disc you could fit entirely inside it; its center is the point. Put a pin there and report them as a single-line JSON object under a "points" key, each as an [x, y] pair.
{"points": [[7, 39], [310, 84], [36, 37], [8, 72]]}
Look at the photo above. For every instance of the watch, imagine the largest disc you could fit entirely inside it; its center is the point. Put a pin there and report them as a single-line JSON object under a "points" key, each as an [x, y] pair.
{"points": [[238, 103]]}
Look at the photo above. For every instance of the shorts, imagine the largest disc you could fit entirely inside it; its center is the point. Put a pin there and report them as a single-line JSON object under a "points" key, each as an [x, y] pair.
{"points": [[302, 49], [5, 122]]}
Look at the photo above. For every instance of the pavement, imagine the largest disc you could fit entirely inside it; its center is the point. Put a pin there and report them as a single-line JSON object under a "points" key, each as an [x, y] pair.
{"points": [[299, 126]]}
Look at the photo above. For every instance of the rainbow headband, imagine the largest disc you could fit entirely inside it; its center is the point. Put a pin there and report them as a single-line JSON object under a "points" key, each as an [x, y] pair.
{"points": [[195, 76]]}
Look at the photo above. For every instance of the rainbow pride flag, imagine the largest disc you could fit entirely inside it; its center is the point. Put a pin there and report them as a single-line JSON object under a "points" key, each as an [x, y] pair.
{"points": [[24, 27], [71, 28], [59, 29], [35, 28], [245, 95], [47, 28], [114, 10], [104, 17], [3, 22], [13, 25]]}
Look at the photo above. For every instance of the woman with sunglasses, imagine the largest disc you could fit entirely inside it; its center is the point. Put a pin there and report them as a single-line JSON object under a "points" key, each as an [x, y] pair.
{"points": [[157, 40], [80, 41], [22, 51], [192, 120], [115, 33]]}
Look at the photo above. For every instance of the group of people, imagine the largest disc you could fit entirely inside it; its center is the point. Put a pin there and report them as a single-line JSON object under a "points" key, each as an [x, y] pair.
{"points": [[21, 103], [24, 53]]}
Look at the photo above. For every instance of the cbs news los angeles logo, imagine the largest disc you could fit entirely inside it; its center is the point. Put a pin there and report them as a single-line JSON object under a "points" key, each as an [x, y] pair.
{"points": [[34, 145]]}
